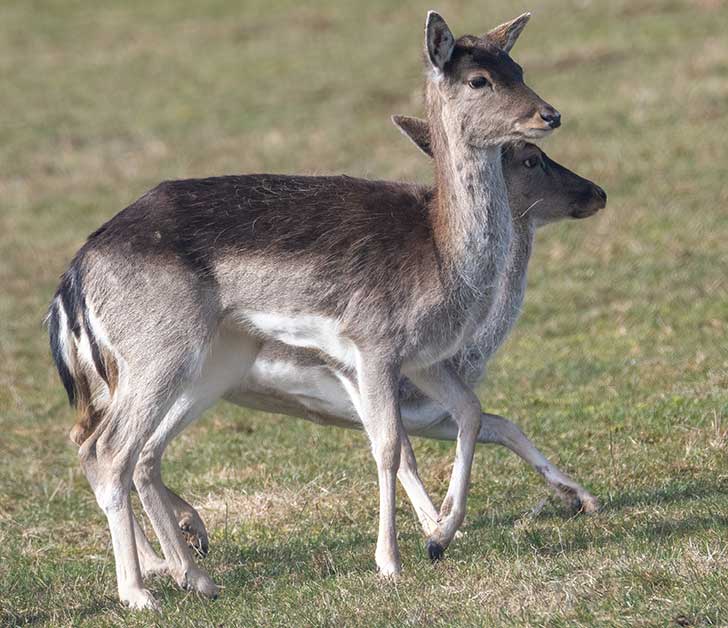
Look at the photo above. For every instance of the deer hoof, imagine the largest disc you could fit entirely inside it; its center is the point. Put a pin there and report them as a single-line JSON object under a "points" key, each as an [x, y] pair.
{"points": [[197, 580], [587, 504], [435, 551], [140, 600]]}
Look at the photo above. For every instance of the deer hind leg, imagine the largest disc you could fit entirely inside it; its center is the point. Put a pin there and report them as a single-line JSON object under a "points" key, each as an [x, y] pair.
{"points": [[410, 479], [148, 481], [445, 387], [497, 429], [108, 458], [149, 562], [228, 359], [191, 525]]}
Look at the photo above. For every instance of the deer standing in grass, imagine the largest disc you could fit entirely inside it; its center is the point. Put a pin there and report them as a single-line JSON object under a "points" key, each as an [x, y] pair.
{"points": [[298, 382], [167, 305]]}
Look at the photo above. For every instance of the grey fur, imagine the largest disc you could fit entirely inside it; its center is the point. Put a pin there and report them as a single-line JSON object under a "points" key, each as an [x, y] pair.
{"points": [[553, 193], [181, 289]]}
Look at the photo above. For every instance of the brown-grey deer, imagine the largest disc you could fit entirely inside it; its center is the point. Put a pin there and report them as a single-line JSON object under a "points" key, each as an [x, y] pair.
{"points": [[166, 306], [296, 381]]}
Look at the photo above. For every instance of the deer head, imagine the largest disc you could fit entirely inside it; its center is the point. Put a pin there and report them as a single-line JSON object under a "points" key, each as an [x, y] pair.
{"points": [[546, 191], [475, 93], [538, 187]]}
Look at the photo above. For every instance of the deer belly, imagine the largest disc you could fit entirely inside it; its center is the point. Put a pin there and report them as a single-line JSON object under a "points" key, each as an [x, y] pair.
{"points": [[420, 415], [306, 330], [307, 391], [314, 392]]}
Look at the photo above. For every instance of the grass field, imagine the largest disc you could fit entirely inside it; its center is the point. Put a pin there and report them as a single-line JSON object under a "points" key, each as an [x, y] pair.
{"points": [[618, 368]]}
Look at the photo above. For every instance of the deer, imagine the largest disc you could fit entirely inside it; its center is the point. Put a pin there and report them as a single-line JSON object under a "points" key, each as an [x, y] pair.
{"points": [[167, 305], [296, 381]]}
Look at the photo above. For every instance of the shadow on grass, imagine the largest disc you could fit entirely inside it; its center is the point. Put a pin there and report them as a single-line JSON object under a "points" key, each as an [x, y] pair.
{"points": [[317, 558], [672, 493], [681, 492], [550, 544], [45, 618], [621, 532], [328, 555], [338, 553]]}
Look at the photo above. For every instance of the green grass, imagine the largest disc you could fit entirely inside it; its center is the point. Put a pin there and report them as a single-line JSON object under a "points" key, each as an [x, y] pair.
{"points": [[618, 368]]}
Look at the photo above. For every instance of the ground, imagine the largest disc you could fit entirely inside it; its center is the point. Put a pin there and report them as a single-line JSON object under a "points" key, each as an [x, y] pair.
{"points": [[618, 368]]}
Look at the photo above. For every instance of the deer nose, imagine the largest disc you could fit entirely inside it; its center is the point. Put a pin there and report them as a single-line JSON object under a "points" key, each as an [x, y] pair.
{"points": [[551, 117]]}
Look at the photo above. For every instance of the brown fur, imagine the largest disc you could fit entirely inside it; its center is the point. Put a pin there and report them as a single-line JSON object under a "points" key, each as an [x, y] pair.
{"points": [[185, 284], [88, 416]]}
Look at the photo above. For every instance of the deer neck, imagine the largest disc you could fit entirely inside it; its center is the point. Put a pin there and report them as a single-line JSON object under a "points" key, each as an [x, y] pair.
{"points": [[511, 288], [506, 306], [471, 219]]}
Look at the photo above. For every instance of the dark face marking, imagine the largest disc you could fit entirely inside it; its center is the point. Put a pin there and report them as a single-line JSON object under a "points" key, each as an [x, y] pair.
{"points": [[473, 54], [551, 191]]}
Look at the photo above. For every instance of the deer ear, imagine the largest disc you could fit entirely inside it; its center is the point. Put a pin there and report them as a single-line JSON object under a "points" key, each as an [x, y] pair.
{"points": [[506, 35], [439, 41], [417, 130]]}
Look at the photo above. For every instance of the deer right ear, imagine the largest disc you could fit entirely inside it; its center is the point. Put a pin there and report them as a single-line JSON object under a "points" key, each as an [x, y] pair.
{"points": [[505, 35], [417, 130], [439, 41]]}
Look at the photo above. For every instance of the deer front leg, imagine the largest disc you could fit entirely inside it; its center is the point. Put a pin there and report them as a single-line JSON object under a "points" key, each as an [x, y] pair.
{"points": [[376, 399], [446, 388]]}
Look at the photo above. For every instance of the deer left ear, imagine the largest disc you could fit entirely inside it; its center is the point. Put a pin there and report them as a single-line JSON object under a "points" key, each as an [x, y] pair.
{"points": [[417, 130], [506, 35], [439, 41]]}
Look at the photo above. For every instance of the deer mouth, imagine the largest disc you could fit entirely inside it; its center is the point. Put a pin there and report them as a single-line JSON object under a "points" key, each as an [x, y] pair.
{"points": [[536, 132], [540, 124], [584, 212]]}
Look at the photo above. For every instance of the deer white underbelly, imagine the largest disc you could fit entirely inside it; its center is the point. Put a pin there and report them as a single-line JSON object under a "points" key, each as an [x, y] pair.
{"points": [[315, 392], [310, 331], [313, 387]]}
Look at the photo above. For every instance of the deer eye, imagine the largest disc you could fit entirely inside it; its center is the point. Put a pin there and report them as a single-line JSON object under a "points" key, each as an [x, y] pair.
{"points": [[478, 82], [531, 162]]}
